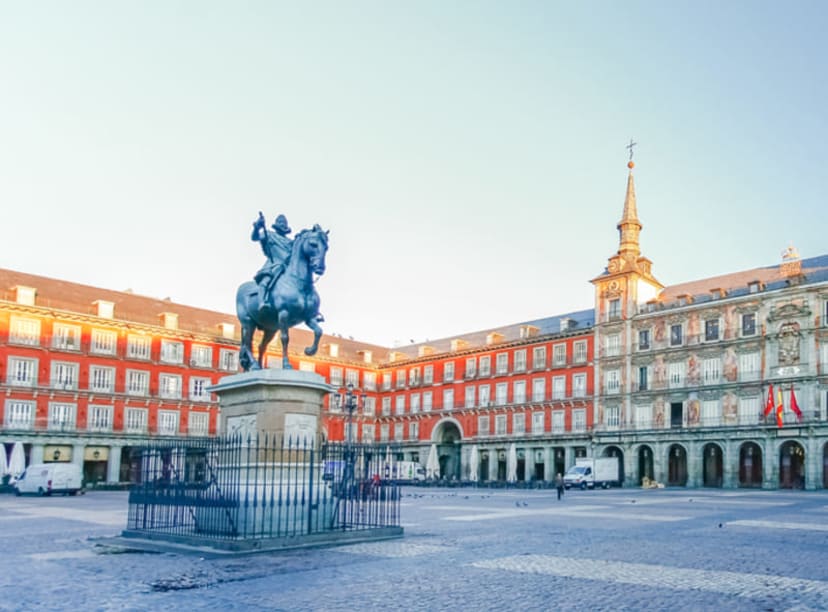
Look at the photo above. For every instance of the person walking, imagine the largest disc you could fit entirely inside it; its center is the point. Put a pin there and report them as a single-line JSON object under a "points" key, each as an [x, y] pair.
{"points": [[559, 484]]}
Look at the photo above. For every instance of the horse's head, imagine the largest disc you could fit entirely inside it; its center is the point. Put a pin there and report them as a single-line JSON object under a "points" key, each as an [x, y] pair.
{"points": [[312, 245]]}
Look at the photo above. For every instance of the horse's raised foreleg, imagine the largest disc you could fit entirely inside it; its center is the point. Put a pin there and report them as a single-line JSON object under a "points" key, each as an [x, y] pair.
{"points": [[317, 334], [283, 336], [267, 336]]}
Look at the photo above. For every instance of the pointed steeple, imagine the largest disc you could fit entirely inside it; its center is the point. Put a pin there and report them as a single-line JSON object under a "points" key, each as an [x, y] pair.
{"points": [[629, 226]]}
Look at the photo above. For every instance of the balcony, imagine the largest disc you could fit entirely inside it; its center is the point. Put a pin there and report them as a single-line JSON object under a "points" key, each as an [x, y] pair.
{"points": [[738, 422]]}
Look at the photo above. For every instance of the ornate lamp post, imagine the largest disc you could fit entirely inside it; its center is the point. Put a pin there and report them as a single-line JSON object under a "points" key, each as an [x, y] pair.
{"points": [[350, 402]]}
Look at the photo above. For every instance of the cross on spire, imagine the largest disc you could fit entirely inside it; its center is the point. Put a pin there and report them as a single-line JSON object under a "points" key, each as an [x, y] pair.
{"points": [[630, 147]]}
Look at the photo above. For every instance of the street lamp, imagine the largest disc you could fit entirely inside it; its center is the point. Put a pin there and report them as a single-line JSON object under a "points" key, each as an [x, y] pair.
{"points": [[351, 402]]}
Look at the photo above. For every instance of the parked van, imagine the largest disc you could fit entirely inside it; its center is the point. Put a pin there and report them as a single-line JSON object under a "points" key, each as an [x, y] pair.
{"points": [[48, 478]]}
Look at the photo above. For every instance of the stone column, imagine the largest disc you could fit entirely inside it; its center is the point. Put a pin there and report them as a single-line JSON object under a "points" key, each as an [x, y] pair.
{"points": [[631, 476], [660, 462], [695, 463], [549, 464], [77, 454], [113, 464], [36, 454], [730, 465], [528, 464], [493, 459], [770, 465]]}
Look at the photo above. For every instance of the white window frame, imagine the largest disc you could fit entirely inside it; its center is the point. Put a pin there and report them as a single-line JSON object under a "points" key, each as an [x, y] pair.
{"points": [[22, 372], [428, 401], [484, 396], [201, 356], [539, 358], [448, 399], [62, 416], [351, 377], [750, 365], [501, 364], [399, 431], [559, 354], [558, 421], [368, 433], [676, 374], [558, 387], [19, 414], [579, 351], [369, 380], [579, 385], [415, 403], [613, 345], [485, 366], [520, 360], [612, 416], [711, 370], [538, 422], [172, 351], [749, 410], [228, 360], [448, 371], [100, 417], [643, 416], [335, 376], [501, 394], [198, 388], [428, 375], [718, 325], [103, 342], [579, 420], [64, 375], [612, 381], [500, 425], [169, 385], [711, 413], [399, 405], [66, 337], [469, 398], [101, 379], [676, 339], [518, 423], [471, 367], [483, 425], [386, 406], [135, 420], [133, 378], [538, 389], [139, 347], [519, 392], [198, 423], [168, 423], [24, 331], [414, 430]]}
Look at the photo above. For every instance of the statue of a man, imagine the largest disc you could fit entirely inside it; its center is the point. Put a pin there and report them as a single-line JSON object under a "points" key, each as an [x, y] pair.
{"points": [[277, 247]]}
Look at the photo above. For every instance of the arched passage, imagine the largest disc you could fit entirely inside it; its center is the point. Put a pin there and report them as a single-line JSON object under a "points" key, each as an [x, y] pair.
{"points": [[712, 466], [791, 466], [750, 465], [677, 466], [447, 436], [614, 451], [645, 463]]}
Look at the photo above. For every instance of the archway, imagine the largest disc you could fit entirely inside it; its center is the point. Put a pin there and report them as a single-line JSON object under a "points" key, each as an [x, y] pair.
{"points": [[791, 466], [712, 466], [447, 436], [645, 463], [750, 465], [677, 466], [614, 451]]}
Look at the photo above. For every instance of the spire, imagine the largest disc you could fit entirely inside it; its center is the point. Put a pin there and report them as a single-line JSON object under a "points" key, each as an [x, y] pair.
{"points": [[629, 226]]}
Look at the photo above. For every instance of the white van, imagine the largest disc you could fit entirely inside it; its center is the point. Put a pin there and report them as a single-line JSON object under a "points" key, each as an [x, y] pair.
{"points": [[48, 478]]}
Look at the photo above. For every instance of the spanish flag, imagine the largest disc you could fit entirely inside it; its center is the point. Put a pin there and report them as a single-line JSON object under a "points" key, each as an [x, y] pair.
{"points": [[769, 406], [795, 406], [780, 407]]}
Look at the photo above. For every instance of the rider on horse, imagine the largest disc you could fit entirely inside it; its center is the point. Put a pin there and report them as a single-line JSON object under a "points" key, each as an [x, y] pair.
{"points": [[276, 246]]}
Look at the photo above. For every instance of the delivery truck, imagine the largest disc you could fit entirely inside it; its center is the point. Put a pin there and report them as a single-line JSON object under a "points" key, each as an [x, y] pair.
{"points": [[593, 472]]}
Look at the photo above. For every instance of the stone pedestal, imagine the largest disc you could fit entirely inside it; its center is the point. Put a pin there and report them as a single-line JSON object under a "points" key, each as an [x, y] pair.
{"points": [[287, 403]]}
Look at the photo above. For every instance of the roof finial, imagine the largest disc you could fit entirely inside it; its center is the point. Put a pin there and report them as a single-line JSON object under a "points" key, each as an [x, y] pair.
{"points": [[630, 146]]}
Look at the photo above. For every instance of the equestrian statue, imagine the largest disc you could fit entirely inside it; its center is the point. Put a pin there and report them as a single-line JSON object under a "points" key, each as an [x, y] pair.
{"points": [[282, 293]]}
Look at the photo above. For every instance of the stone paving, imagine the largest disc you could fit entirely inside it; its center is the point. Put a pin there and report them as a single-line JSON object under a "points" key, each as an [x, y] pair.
{"points": [[464, 549]]}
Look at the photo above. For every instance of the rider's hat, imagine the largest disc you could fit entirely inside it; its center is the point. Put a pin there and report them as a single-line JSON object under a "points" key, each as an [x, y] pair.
{"points": [[281, 225]]}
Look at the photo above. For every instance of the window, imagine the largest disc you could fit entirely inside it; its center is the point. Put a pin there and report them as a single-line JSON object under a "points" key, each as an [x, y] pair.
{"points": [[579, 349], [64, 375], [614, 309], [711, 371], [414, 431], [103, 342], [369, 380], [401, 378], [19, 414], [101, 380], [559, 355], [749, 324], [579, 420], [520, 360], [24, 331], [749, 368], [137, 382], [558, 387], [500, 424], [427, 401], [198, 389], [483, 425], [448, 371], [643, 339], [138, 347], [428, 375], [368, 433], [558, 421], [612, 417], [448, 399], [399, 405], [501, 392], [352, 378], [169, 386], [61, 416], [66, 337], [136, 420], [201, 356], [386, 380], [539, 357], [643, 378], [711, 330], [538, 422], [711, 415], [369, 405], [613, 345], [518, 423], [414, 376], [336, 377], [612, 381], [485, 366], [228, 360], [676, 335], [168, 422], [199, 423], [502, 363], [384, 429], [172, 352], [675, 374], [749, 410], [471, 367], [386, 406], [519, 392], [22, 372], [99, 418], [579, 385], [484, 398], [469, 399], [335, 402], [399, 428], [415, 403], [538, 390], [643, 416]]}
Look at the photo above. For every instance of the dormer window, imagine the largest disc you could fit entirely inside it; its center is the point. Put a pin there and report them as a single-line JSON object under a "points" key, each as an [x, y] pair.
{"points": [[754, 286], [169, 320], [25, 295], [104, 309], [228, 330]]}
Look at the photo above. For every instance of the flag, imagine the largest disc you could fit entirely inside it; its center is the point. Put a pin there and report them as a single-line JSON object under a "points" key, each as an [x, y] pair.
{"points": [[780, 407], [795, 406], [770, 405]]}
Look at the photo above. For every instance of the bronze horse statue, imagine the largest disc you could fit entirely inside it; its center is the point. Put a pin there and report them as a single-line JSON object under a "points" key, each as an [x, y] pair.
{"points": [[294, 300]]}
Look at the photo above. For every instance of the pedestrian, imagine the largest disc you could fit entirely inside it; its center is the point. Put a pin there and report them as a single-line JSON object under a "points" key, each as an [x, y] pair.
{"points": [[559, 484]]}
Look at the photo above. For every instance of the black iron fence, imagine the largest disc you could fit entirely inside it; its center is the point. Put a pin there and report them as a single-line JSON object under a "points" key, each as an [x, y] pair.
{"points": [[261, 487]]}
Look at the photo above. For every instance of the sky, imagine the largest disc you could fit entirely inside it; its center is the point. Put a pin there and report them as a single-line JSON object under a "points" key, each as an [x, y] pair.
{"points": [[467, 157]]}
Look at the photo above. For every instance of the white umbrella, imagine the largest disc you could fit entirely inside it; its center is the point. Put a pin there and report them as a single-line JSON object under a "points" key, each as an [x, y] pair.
{"points": [[474, 463], [4, 465], [433, 463], [511, 464], [17, 462]]}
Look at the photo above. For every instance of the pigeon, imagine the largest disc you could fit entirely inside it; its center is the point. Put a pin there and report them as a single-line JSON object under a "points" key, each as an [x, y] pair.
{"points": [[517, 504]]}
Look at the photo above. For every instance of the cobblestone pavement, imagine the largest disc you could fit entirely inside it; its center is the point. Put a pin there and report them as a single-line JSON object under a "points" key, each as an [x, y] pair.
{"points": [[472, 549]]}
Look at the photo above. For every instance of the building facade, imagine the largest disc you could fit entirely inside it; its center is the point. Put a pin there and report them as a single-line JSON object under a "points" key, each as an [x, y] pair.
{"points": [[719, 382]]}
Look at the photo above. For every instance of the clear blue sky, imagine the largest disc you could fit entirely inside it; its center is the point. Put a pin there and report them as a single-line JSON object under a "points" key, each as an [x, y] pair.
{"points": [[467, 157]]}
